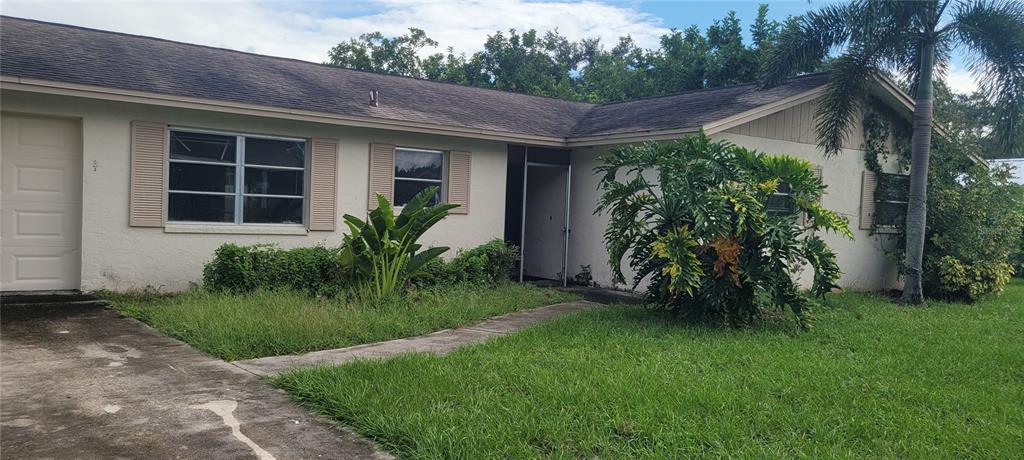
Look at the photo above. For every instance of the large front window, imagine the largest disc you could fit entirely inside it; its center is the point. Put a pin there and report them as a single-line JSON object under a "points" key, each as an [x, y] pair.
{"points": [[415, 170], [240, 179]]}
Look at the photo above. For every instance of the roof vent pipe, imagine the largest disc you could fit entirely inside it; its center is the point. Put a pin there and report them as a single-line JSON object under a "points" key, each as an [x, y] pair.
{"points": [[374, 98]]}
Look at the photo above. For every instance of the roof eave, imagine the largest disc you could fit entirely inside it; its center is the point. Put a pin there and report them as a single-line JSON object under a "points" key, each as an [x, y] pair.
{"points": [[629, 137], [14, 83]]}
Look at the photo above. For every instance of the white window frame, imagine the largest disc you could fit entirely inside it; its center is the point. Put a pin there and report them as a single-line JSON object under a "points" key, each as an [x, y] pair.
{"points": [[240, 165], [440, 183]]}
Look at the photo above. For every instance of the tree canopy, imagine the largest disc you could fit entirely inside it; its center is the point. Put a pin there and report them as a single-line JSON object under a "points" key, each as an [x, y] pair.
{"points": [[550, 64]]}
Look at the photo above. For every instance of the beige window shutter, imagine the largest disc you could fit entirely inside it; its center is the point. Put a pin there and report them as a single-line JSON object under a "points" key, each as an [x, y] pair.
{"points": [[323, 180], [382, 173], [147, 190], [459, 166], [867, 199]]}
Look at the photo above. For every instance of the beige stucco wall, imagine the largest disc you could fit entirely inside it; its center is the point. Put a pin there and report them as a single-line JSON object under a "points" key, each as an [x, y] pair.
{"points": [[116, 256], [862, 259]]}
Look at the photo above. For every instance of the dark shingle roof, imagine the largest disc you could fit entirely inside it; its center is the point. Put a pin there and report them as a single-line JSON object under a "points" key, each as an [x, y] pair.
{"points": [[69, 54], [691, 109], [76, 55]]}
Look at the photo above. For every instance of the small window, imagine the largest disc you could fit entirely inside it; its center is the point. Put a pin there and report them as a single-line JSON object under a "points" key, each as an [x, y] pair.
{"points": [[781, 202], [228, 178], [891, 197], [416, 170]]}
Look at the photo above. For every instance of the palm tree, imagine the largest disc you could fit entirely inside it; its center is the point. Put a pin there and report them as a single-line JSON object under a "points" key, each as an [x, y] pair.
{"points": [[913, 39]]}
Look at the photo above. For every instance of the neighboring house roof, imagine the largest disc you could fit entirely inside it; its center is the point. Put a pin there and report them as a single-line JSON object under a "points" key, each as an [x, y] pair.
{"points": [[64, 59], [1016, 166]]}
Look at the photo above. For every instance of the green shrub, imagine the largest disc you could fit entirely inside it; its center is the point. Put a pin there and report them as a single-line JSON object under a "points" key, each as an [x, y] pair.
{"points": [[975, 215], [957, 280], [315, 270], [1017, 256], [693, 219], [489, 263]]}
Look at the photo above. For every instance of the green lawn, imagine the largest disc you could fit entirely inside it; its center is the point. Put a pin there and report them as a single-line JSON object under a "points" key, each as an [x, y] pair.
{"points": [[872, 379], [234, 327]]}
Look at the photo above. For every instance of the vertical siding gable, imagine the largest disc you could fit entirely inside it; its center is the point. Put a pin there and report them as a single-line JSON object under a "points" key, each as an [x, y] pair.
{"points": [[795, 124]]}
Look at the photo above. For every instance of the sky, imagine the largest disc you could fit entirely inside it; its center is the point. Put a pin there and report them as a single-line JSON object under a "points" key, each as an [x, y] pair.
{"points": [[308, 29]]}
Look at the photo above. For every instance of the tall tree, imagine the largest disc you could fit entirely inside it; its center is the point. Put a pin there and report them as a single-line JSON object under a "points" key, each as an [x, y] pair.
{"points": [[549, 64], [531, 63], [682, 62], [910, 38], [616, 75], [970, 119], [732, 62], [377, 53]]}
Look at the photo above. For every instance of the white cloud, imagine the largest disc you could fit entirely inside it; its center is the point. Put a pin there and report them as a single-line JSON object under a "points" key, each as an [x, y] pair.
{"points": [[961, 80], [307, 30]]}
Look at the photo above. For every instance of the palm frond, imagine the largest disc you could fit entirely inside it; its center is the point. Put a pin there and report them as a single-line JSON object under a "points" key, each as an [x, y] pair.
{"points": [[908, 61], [819, 32], [994, 32], [848, 87]]}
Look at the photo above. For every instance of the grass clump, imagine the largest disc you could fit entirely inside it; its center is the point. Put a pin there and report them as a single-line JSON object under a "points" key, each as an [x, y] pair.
{"points": [[872, 380], [276, 322]]}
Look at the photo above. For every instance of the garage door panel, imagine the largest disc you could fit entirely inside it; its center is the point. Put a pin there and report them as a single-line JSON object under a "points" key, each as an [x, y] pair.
{"points": [[41, 180], [28, 268], [38, 137], [41, 224], [40, 203]]}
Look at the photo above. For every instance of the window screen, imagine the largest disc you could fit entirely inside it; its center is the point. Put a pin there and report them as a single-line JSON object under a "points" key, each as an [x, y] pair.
{"points": [[416, 170], [226, 178]]}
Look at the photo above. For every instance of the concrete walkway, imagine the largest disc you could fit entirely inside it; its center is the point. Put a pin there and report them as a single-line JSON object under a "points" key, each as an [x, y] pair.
{"points": [[87, 383], [440, 342]]}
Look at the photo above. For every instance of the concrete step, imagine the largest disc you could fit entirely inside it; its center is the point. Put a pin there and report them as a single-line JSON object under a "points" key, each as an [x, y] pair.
{"points": [[55, 304], [16, 306], [45, 297]]}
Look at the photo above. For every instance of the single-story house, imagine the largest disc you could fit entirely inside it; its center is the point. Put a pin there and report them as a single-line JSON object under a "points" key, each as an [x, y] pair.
{"points": [[127, 160]]}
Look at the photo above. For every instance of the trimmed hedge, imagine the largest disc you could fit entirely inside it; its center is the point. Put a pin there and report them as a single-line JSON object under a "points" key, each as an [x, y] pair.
{"points": [[317, 270], [489, 263], [235, 268]]}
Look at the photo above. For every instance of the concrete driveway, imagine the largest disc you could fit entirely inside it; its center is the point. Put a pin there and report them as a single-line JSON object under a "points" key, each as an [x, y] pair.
{"points": [[84, 382]]}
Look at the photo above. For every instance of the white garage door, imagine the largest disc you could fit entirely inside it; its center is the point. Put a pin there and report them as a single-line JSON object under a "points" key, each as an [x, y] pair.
{"points": [[41, 201]]}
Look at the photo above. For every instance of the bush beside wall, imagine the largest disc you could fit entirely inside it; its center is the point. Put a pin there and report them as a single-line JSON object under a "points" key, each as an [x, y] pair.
{"points": [[489, 263], [975, 218], [317, 270], [236, 268]]}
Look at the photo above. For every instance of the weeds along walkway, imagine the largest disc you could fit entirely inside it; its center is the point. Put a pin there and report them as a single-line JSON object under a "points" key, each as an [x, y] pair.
{"points": [[439, 342]]}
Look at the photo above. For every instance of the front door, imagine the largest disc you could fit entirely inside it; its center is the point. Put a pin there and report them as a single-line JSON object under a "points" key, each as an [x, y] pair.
{"points": [[545, 223], [40, 203]]}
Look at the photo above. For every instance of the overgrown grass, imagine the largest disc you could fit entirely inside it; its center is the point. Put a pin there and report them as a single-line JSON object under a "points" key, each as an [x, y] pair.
{"points": [[872, 379], [268, 323]]}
